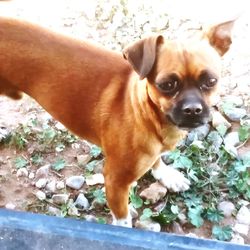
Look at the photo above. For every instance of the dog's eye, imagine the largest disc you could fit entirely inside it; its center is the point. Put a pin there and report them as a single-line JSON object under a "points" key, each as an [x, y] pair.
{"points": [[168, 87], [209, 83]]}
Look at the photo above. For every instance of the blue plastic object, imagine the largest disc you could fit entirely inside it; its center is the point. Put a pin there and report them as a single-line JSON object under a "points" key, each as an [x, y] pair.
{"points": [[27, 231]]}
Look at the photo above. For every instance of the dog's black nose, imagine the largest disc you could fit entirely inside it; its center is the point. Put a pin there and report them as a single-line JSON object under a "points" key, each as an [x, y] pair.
{"points": [[192, 109]]}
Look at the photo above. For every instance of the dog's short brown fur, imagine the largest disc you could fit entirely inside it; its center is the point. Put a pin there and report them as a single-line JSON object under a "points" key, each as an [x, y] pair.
{"points": [[134, 109]]}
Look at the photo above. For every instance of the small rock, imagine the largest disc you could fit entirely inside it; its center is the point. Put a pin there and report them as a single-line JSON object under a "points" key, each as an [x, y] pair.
{"points": [[75, 182], [198, 133], [82, 160], [73, 211], [40, 195], [22, 172], [227, 208], [41, 183], [95, 179], [4, 133], [237, 239], [90, 218], [82, 202], [60, 185], [31, 176], [241, 228], [182, 218], [60, 199], [133, 212], [232, 139], [54, 211], [193, 235], [60, 126], [43, 171], [51, 186], [176, 228], [148, 225], [154, 192], [231, 150], [98, 169], [235, 114], [10, 206], [219, 120], [243, 216]]}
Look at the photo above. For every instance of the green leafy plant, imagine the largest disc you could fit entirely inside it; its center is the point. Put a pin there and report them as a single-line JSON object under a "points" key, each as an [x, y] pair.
{"points": [[222, 233], [146, 214], [135, 200], [20, 162], [59, 165]]}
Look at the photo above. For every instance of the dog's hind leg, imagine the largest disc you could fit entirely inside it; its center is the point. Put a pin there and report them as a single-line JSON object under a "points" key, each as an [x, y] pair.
{"points": [[6, 88]]}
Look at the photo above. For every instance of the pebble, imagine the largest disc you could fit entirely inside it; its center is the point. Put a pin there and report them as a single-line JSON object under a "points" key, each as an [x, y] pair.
{"points": [[182, 218], [199, 133], [235, 114], [90, 218], [95, 179], [82, 160], [232, 138], [60, 199], [82, 202], [148, 225], [73, 211], [227, 208], [54, 211], [10, 206], [51, 186], [40, 195], [41, 183], [98, 169], [241, 228], [219, 120], [237, 239], [243, 216], [31, 176], [60, 185], [75, 182], [154, 192], [22, 172], [43, 171]]}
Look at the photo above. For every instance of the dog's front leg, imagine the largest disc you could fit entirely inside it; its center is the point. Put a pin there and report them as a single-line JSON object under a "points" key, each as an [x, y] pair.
{"points": [[170, 177]]}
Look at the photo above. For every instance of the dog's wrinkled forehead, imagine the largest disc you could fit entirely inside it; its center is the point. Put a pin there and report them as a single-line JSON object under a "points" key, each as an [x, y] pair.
{"points": [[186, 58]]}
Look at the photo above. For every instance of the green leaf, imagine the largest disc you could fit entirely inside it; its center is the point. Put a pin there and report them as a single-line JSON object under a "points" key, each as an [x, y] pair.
{"points": [[146, 214], [20, 162], [99, 195], [222, 233], [95, 151], [222, 129], [244, 132], [193, 175], [101, 220], [166, 216], [246, 160], [37, 159], [175, 154], [239, 166], [183, 162], [135, 200], [214, 215], [91, 165], [59, 164], [194, 215]]}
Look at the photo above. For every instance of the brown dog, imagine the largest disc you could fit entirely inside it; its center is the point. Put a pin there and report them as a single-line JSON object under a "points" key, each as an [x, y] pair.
{"points": [[134, 109]]}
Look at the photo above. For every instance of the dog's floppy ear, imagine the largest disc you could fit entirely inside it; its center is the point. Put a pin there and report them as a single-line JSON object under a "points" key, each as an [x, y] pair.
{"points": [[142, 54], [220, 36]]}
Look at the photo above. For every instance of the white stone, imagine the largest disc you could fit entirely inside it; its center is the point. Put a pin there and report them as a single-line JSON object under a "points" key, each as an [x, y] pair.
{"points": [[218, 119], [43, 171], [60, 185], [22, 172], [60, 199], [41, 183], [75, 182], [232, 139], [243, 216], [95, 179], [237, 239], [31, 176], [10, 206], [82, 202], [40, 195], [227, 208], [241, 228], [148, 225], [51, 186], [83, 159]]}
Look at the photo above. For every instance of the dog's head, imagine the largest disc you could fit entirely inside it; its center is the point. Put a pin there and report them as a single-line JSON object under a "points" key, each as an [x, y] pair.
{"points": [[182, 76]]}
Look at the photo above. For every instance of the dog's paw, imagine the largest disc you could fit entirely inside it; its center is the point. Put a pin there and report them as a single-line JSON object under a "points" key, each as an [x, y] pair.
{"points": [[126, 222], [171, 178]]}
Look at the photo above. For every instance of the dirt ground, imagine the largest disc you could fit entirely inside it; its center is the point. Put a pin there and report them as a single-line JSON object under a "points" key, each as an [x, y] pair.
{"points": [[74, 19]]}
